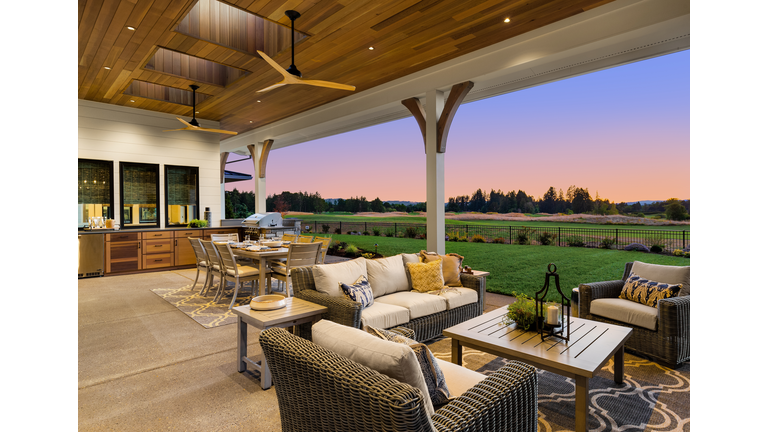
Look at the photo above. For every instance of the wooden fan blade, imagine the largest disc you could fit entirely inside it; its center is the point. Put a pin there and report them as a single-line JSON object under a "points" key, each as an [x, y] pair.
{"points": [[333, 85], [183, 121], [273, 86], [274, 64], [217, 131], [174, 130]]}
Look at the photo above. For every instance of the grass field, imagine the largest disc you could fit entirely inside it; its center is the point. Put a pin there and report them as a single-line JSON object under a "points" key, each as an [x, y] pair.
{"points": [[522, 268]]}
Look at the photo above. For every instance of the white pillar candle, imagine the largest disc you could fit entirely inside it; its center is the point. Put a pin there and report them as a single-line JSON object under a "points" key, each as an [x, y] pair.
{"points": [[552, 315]]}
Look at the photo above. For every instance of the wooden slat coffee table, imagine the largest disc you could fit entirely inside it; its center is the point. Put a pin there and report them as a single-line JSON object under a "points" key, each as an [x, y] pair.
{"points": [[591, 346], [296, 311]]}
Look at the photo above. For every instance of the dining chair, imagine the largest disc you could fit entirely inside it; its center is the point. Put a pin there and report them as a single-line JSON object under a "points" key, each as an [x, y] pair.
{"points": [[304, 239], [232, 269], [289, 237], [214, 265], [223, 237], [299, 255], [201, 258], [325, 244]]}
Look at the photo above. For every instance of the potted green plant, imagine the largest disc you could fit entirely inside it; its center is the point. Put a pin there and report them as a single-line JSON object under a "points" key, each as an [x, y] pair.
{"points": [[523, 312], [197, 223]]}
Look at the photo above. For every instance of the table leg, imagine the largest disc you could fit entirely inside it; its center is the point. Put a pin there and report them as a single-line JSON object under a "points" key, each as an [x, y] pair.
{"points": [[455, 352], [242, 343], [266, 375], [582, 396], [262, 275], [618, 366]]}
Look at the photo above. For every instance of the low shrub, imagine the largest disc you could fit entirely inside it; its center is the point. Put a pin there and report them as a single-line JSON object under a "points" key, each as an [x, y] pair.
{"points": [[574, 241], [656, 248], [453, 237], [499, 240], [547, 238], [326, 228], [368, 255], [477, 238], [376, 232], [349, 232], [366, 233], [687, 254], [639, 214], [410, 232], [337, 231], [351, 251], [607, 242], [522, 236], [390, 233], [462, 239], [677, 252], [636, 247]]}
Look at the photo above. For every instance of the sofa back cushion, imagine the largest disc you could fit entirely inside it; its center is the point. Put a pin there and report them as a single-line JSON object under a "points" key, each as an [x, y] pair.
{"points": [[451, 266], [386, 275], [392, 359], [409, 258], [665, 274], [328, 277]]}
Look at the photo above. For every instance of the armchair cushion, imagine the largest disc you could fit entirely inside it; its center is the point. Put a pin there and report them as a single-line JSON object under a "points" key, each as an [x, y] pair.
{"points": [[328, 276], [430, 369], [647, 292], [360, 291], [387, 275], [459, 378], [392, 359], [666, 274], [626, 311], [383, 315]]}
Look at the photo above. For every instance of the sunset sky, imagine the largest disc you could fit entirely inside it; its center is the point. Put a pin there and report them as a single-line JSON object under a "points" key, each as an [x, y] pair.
{"points": [[623, 133]]}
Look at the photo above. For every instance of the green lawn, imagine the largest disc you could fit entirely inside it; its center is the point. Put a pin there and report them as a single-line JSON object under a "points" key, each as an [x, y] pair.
{"points": [[522, 268]]}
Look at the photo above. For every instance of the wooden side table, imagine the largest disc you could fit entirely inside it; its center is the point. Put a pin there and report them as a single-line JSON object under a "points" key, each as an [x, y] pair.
{"points": [[297, 311]]}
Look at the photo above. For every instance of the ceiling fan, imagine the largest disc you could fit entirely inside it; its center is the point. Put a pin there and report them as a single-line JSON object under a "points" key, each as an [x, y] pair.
{"points": [[194, 125], [292, 74]]}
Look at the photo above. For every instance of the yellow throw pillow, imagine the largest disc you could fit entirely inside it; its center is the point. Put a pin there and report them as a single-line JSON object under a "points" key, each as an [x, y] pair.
{"points": [[426, 276], [451, 266]]}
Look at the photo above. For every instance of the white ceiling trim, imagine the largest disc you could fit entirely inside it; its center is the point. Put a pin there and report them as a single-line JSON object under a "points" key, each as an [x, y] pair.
{"points": [[618, 33]]}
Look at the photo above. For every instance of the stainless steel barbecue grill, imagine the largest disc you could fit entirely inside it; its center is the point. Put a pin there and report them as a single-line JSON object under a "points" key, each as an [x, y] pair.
{"points": [[268, 225]]}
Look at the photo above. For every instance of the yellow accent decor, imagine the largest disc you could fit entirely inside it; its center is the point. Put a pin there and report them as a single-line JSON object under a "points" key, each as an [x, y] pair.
{"points": [[647, 292], [451, 266], [426, 276]]}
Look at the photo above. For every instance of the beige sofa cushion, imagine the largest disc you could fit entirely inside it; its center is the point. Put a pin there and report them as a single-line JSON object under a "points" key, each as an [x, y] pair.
{"points": [[383, 315], [386, 275], [409, 258], [418, 304], [458, 378], [456, 296], [665, 274], [626, 311], [392, 359], [328, 276]]}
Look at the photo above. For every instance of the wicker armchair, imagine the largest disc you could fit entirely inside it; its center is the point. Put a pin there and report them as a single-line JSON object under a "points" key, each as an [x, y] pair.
{"points": [[669, 344], [347, 312], [319, 390]]}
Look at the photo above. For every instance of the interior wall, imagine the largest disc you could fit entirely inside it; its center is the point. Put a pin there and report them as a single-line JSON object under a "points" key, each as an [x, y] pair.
{"points": [[121, 134]]}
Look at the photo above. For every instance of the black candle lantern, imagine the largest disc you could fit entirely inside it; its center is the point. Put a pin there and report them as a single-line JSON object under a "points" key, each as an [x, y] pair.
{"points": [[556, 320]]}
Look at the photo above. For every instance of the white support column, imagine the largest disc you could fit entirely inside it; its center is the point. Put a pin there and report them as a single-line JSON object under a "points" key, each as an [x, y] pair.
{"points": [[259, 154], [435, 175], [223, 214]]}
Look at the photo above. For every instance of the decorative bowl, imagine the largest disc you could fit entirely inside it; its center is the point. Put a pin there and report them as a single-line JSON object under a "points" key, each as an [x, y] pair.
{"points": [[268, 302], [275, 243]]}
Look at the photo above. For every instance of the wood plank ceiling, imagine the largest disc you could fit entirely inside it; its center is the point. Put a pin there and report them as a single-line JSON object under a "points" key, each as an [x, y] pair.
{"points": [[407, 36]]}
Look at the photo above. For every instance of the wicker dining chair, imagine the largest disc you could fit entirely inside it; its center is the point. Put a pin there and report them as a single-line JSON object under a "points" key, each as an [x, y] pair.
{"points": [[214, 265], [299, 255], [201, 258], [230, 268]]}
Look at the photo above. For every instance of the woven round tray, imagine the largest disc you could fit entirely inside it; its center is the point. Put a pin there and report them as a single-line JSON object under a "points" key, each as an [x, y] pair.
{"points": [[268, 302]]}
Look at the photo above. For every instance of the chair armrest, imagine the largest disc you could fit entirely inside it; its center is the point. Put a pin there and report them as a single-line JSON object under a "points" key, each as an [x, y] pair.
{"points": [[507, 400], [476, 283], [405, 331], [675, 317], [597, 290], [340, 310]]}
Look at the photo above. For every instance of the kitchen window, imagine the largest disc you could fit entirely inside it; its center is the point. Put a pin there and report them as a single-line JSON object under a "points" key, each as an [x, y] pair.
{"points": [[182, 195], [139, 195], [95, 190]]}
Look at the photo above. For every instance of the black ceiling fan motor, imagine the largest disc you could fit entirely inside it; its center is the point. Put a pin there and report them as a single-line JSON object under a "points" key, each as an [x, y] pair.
{"points": [[292, 15]]}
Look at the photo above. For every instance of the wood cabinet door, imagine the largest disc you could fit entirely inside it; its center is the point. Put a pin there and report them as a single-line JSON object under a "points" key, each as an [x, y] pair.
{"points": [[183, 252], [123, 256]]}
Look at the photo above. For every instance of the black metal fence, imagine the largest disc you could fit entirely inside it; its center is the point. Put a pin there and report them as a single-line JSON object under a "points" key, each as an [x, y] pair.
{"points": [[667, 240]]}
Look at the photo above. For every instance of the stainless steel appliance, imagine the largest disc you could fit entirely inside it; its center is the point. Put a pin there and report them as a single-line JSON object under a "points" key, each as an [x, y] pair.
{"points": [[267, 225], [90, 255]]}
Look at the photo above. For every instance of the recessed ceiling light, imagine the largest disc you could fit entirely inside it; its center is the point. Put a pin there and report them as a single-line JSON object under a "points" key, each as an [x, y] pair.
{"points": [[133, 100], [107, 68], [258, 101], [197, 112], [251, 121], [130, 28], [370, 48], [506, 20]]}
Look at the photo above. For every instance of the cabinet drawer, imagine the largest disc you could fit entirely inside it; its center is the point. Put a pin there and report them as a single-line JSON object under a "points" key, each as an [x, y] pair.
{"points": [[187, 233], [157, 246], [123, 236], [158, 260], [156, 234], [219, 231]]}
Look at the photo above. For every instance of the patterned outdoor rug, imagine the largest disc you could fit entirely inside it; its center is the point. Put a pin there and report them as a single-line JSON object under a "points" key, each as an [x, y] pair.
{"points": [[652, 398], [203, 309]]}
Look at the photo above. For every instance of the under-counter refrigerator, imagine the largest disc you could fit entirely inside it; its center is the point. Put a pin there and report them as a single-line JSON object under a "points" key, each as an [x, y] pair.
{"points": [[90, 257]]}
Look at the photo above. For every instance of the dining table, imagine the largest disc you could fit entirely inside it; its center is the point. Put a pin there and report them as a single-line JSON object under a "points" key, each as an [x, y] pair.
{"points": [[262, 256]]}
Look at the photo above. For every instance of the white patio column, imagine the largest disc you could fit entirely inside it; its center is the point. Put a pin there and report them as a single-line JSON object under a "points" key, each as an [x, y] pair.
{"points": [[222, 166], [435, 175], [259, 155]]}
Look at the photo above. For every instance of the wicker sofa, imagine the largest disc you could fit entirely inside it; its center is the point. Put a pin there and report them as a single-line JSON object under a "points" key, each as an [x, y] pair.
{"points": [[350, 313], [662, 334], [320, 390]]}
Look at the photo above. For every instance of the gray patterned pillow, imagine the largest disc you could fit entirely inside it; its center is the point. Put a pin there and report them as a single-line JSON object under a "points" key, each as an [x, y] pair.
{"points": [[360, 291], [438, 389]]}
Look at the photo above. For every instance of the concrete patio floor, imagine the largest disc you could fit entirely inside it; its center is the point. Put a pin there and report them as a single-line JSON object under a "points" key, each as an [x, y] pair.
{"points": [[144, 365]]}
